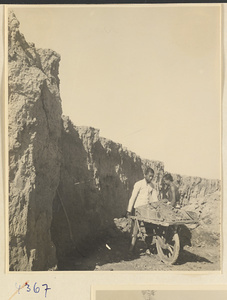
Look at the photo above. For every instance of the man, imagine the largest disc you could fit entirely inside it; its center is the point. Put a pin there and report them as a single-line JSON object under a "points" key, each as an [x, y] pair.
{"points": [[163, 188], [173, 195], [143, 193]]}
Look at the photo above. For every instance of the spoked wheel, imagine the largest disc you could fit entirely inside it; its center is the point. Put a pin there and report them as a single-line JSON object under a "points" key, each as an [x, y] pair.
{"points": [[168, 251]]}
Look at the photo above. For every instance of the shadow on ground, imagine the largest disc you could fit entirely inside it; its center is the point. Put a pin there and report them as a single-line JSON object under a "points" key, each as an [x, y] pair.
{"points": [[186, 256], [113, 248]]}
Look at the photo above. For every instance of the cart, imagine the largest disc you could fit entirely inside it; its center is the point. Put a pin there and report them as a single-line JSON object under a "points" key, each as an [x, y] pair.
{"points": [[165, 222]]}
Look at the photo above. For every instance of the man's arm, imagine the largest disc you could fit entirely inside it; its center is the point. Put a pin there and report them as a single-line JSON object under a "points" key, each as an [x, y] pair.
{"points": [[134, 195]]}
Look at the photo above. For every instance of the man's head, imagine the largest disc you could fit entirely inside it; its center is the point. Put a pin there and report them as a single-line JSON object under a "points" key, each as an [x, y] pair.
{"points": [[148, 174], [178, 178], [168, 179]]}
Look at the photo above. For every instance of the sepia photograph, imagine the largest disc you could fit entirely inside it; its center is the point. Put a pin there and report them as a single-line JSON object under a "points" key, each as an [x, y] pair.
{"points": [[114, 138], [161, 294]]}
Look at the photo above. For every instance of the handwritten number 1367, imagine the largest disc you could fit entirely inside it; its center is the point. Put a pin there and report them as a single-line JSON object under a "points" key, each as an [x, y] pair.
{"points": [[36, 289]]}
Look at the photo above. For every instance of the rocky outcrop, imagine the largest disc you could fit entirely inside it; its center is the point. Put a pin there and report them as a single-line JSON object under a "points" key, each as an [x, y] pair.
{"points": [[34, 158]]}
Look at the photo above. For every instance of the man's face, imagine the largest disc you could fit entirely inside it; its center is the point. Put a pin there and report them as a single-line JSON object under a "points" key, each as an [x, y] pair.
{"points": [[167, 182], [149, 177]]}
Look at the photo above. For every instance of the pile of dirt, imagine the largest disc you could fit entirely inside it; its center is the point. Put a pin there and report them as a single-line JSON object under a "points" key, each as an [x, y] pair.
{"points": [[208, 209], [123, 224]]}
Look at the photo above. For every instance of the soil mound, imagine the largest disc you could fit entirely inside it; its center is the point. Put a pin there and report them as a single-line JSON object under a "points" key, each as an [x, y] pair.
{"points": [[208, 209]]}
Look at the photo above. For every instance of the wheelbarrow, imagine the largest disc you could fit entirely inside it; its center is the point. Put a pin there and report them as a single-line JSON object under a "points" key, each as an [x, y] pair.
{"points": [[165, 223]]}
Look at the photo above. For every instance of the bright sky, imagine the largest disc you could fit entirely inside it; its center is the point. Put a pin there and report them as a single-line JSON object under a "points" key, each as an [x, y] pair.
{"points": [[163, 295], [147, 77]]}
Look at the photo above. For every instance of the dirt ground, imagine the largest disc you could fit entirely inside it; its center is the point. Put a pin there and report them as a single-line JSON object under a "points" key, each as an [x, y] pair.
{"points": [[201, 245], [112, 255]]}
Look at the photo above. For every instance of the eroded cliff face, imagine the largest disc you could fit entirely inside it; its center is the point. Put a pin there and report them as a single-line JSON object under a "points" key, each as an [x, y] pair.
{"points": [[34, 131], [195, 187], [97, 177]]}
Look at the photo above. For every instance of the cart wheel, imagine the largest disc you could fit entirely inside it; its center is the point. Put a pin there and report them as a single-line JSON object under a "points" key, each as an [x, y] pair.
{"points": [[168, 251]]}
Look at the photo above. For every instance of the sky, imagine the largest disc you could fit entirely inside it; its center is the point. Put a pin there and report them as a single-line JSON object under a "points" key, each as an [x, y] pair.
{"points": [[147, 77], [162, 295]]}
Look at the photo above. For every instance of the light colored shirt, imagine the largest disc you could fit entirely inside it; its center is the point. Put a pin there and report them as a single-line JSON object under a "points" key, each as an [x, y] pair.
{"points": [[143, 193]]}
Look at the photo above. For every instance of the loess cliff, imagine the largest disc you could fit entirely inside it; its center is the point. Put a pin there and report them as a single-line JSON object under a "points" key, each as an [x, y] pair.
{"points": [[66, 183], [34, 130]]}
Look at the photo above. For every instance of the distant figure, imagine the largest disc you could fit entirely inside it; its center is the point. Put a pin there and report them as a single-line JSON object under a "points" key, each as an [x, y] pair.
{"points": [[173, 195], [143, 193]]}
